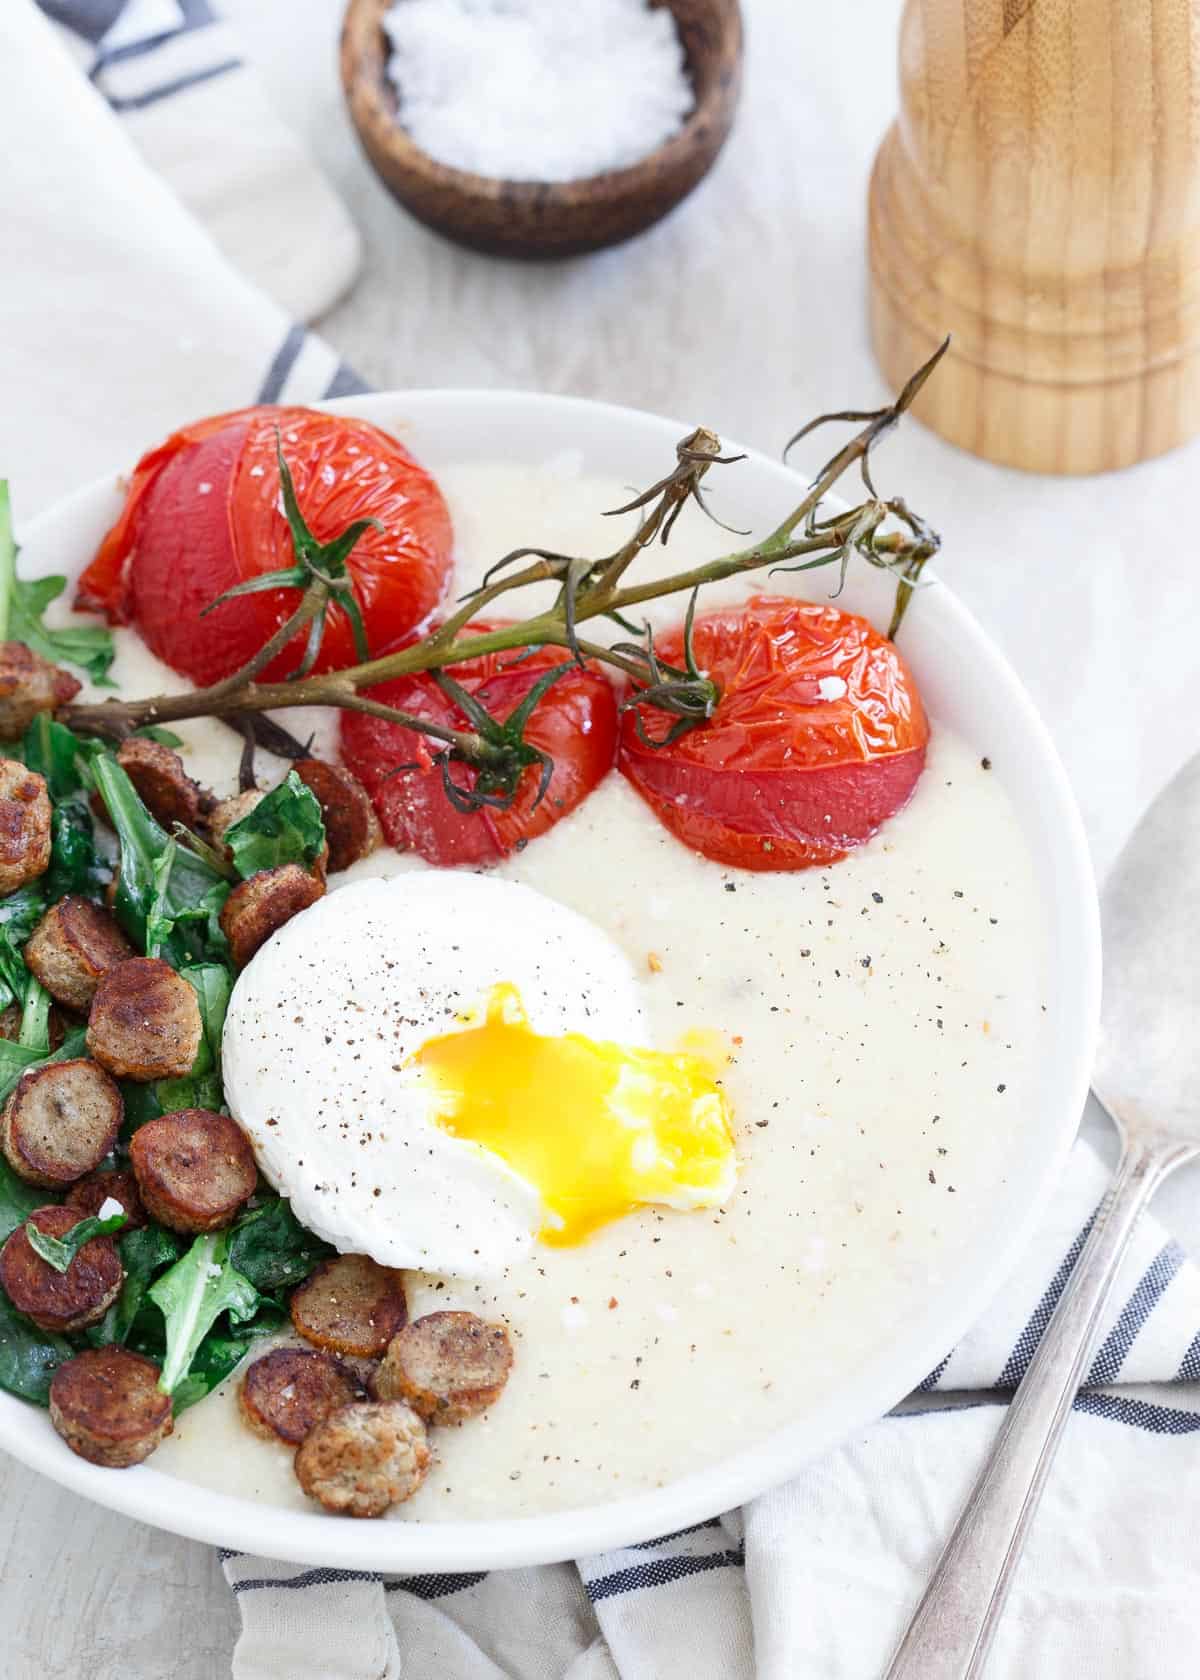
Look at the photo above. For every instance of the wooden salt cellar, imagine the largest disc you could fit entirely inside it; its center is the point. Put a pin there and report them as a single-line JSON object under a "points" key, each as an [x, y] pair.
{"points": [[1039, 199]]}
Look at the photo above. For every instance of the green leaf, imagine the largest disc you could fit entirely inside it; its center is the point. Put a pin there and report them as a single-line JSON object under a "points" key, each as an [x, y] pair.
{"points": [[222, 1352], [144, 1254], [202, 1087], [156, 732], [192, 1296], [20, 913], [56, 753], [17, 1200], [22, 603], [29, 1357], [192, 890], [60, 1251], [75, 865], [284, 827], [269, 1246], [35, 1019]]}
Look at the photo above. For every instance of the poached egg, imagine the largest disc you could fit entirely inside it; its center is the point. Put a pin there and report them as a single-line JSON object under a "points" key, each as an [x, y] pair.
{"points": [[442, 1069]]}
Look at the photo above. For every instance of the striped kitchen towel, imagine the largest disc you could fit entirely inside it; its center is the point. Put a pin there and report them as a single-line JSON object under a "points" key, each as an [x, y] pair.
{"points": [[122, 320], [816, 1580], [201, 117]]}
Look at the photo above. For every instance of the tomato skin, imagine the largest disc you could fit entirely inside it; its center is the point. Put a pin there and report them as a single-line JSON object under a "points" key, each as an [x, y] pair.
{"points": [[575, 721], [202, 514], [818, 738]]}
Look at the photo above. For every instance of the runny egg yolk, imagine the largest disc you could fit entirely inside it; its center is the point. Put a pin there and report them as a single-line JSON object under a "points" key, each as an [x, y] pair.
{"points": [[595, 1128]]}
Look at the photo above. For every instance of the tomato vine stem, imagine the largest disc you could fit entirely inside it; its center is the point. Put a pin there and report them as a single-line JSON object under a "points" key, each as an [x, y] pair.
{"points": [[589, 588]]}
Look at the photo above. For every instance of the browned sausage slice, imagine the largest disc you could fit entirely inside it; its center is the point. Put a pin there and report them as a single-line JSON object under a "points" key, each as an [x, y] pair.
{"points": [[90, 1194], [29, 684], [24, 825], [290, 1390], [364, 1458], [259, 907], [350, 1305], [60, 1122], [228, 811], [59, 1301], [107, 1406], [352, 829], [163, 785], [73, 947], [144, 1021], [194, 1169], [447, 1365]]}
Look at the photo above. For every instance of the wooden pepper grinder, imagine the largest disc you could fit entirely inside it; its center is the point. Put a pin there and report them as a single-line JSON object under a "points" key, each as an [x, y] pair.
{"points": [[1039, 199]]}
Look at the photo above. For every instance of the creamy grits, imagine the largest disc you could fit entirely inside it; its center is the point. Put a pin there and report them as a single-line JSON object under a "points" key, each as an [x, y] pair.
{"points": [[881, 1016]]}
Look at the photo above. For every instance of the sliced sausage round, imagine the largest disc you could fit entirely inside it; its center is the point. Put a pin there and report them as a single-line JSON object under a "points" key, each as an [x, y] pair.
{"points": [[259, 907], [163, 785], [73, 947], [60, 1122], [144, 1021], [60, 1301], [364, 1458], [447, 1365], [24, 825], [290, 1390], [228, 811], [107, 1406], [29, 684], [194, 1169], [90, 1194], [350, 1305], [352, 829]]}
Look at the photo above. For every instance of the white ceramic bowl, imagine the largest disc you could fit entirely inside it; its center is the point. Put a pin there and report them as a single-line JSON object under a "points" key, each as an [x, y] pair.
{"points": [[967, 684]]}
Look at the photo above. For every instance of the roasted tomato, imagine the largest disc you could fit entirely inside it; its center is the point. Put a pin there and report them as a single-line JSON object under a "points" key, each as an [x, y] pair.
{"points": [[203, 513], [575, 721], [818, 737]]}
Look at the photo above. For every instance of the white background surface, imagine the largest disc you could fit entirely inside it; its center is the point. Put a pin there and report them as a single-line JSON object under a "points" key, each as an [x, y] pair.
{"points": [[745, 311]]}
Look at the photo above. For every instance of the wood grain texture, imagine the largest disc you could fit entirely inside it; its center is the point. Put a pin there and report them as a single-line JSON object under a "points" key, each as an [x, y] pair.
{"points": [[86, 1594], [1039, 198], [535, 219]]}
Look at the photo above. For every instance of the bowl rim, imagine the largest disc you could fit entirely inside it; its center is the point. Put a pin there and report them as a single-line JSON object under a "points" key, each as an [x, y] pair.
{"points": [[413, 1547], [714, 109]]}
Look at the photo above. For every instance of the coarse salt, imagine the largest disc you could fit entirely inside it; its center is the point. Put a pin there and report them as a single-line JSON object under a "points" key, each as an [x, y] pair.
{"points": [[538, 90]]}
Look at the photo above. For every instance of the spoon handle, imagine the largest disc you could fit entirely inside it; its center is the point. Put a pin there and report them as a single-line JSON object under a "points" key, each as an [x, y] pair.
{"points": [[951, 1632]]}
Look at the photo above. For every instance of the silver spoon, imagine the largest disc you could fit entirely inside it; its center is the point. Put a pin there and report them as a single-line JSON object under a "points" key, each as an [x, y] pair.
{"points": [[1147, 1077]]}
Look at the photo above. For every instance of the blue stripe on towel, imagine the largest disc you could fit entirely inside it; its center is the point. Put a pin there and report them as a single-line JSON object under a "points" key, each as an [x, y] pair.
{"points": [[282, 363], [139, 101], [1107, 1364], [345, 383], [1139, 1414], [1027, 1342], [1189, 1370], [660, 1571], [927, 1384], [435, 1586], [91, 19]]}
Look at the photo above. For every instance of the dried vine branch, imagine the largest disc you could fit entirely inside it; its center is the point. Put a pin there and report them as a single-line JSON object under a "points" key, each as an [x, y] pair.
{"points": [[589, 588]]}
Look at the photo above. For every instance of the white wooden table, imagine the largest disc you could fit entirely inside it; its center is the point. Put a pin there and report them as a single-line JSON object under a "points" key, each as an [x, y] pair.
{"points": [[746, 311]]}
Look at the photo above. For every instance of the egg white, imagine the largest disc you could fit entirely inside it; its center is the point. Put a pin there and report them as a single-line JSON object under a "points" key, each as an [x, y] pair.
{"points": [[324, 1019]]}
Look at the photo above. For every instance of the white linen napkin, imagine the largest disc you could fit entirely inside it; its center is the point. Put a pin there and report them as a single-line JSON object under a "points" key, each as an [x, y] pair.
{"points": [[122, 319], [172, 71]]}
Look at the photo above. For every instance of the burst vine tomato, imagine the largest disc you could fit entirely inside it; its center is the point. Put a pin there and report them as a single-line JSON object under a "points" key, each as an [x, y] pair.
{"points": [[817, 739], [575, 722], [202, 513]]}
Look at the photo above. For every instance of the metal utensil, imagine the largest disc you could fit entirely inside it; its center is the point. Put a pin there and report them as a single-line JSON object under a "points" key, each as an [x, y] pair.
{"points": [[1147, 1077]]}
